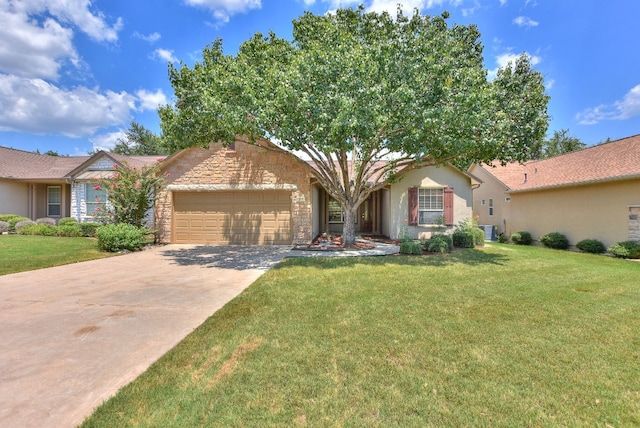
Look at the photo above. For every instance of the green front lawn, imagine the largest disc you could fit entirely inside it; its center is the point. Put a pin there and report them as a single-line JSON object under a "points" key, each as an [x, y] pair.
{"points": [[20, 253], [501, 336]]}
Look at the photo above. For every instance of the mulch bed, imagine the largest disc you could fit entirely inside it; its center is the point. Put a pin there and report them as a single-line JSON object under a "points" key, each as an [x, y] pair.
{"points": [[335, 244]]}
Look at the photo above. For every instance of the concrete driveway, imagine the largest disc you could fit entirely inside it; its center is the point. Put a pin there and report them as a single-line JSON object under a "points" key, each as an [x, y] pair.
{"points": [[72, 335]]}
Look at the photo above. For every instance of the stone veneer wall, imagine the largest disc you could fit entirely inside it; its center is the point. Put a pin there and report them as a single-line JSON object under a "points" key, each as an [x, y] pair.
{"points": [[245, 167], [634, 223]]}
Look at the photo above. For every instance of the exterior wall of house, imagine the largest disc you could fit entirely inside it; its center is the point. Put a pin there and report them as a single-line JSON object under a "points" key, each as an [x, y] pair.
{"points": [[596, 211], [245, 167], [430, 177], [490, 189], [14, 198]]}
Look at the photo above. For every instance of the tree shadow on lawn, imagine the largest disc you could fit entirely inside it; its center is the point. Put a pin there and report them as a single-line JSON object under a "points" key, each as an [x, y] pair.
{"points": [[469, 257]]}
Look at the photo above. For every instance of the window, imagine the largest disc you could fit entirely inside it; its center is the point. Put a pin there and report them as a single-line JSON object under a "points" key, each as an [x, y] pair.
{"points": [[54, 199], [335, 212], [430, 205], [507, 199], [95, 199], [490, 207]]}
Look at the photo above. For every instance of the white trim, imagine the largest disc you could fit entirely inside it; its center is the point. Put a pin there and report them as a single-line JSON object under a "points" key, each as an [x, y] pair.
{"points": [[214, 187]]}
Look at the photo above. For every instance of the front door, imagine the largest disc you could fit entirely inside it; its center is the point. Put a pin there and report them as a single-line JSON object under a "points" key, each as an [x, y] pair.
{"points": [[366, 217]]}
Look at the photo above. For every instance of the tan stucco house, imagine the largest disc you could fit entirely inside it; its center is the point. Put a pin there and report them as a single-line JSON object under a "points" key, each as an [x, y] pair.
{"points": [[593, 193], [36, 186], [238, 194]]}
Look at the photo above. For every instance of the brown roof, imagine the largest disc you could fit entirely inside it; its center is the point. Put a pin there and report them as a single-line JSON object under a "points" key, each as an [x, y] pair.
{"points": [[616, 160], [21, 165]]}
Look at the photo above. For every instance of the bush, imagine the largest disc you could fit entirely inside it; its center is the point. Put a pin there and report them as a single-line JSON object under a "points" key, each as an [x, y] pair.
{"points": [[463, 238], [7, 217], [502, 238], [67, 220], [440, 243], [89, 229], [121, 236], [555, 240], [410, 247], [15, 220], [521, 238], [69, 230], [4, 226], [46, 220], [591, 246], [626, 250], [23, 223], [42, 229]]}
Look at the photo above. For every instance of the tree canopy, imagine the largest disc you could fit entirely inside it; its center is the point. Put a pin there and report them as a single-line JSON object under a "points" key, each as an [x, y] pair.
{"points": [[559, 144], [353, 88], [140, 141]]}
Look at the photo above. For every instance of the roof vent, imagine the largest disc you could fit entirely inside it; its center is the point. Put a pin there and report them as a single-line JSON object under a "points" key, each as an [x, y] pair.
{"points": [[525, 177]]}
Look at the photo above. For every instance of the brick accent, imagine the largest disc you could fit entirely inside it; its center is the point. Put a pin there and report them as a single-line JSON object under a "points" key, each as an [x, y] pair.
{"points": [[634, 223], [242, 167]]}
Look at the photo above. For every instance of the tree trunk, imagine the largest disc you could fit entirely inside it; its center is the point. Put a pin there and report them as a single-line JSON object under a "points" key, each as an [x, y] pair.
{"points": [[349, 227]]}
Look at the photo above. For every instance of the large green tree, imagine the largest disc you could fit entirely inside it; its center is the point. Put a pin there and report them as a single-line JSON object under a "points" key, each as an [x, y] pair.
{"points": [[354, 88], [560, 143], [140, 141]]}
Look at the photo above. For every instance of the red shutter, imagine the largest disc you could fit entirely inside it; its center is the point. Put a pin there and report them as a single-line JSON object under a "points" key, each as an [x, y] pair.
{"points": [[448, 206], [413, 206]]}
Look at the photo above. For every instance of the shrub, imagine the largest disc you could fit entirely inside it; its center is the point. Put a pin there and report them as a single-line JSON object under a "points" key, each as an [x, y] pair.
{"points": [[591, 246], [555, 240], [15, 220], [42, 229], [411, 247], [626, 250], [67, 220], [4, 226], [20, 224], [46, 220], [89, 229], [463, 238], [121, 236], [502, 238], [521, 238], [7, 217], [69, 230], [440, 243]]}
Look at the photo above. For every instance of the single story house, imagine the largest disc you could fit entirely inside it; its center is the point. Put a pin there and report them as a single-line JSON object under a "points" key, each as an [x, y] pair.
{"points": [[36, 186], [593, 193], [257, 194], [238, 194]]}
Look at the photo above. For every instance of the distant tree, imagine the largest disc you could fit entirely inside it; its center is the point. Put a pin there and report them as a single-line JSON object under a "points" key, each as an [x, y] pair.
{"points": [[140, 141], [354, 88], [559, 144], [50, 153]]}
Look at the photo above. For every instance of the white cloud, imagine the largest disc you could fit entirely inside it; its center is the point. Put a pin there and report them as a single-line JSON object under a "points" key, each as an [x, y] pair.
{"points": [[623, 109], [525, 21], [223, 9], [503, 2], [38, 107], [151, 100], [151, 38], [165, 55], [107, 141], [548, 84], [40, 48]]}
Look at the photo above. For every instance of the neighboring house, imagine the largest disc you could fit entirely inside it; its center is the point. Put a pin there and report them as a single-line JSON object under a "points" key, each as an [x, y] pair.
{"points": [[36, 186], [591, 193], [258, 194]]}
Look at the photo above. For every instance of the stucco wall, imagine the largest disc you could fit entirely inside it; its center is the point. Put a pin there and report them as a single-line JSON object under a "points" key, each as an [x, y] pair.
{"points": [[435, 177], [14, 198], [596, 211], [245, 167], [490, 188]]}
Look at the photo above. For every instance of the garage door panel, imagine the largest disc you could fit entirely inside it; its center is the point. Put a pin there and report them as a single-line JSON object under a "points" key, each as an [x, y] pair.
{"points": [[242, 217]]}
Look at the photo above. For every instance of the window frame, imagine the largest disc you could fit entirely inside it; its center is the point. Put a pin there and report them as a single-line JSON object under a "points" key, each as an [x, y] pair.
{"points": [[491, 207], [50, 204], [439, 203]]}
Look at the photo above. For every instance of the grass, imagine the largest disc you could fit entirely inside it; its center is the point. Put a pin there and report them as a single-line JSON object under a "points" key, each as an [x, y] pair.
{"points": [[20, 253], [501, 336]]}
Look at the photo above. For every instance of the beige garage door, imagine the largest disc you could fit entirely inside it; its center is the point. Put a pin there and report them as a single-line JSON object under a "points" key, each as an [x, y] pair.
{"points": [[239, 217]]}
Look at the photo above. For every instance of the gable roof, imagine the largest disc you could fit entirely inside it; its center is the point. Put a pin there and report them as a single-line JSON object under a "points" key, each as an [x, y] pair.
{"points": [[612, 161], [22, 165]]}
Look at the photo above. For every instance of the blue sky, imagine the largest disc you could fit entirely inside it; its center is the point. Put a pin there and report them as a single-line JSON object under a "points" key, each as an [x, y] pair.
{"points": [[75, 73]]}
